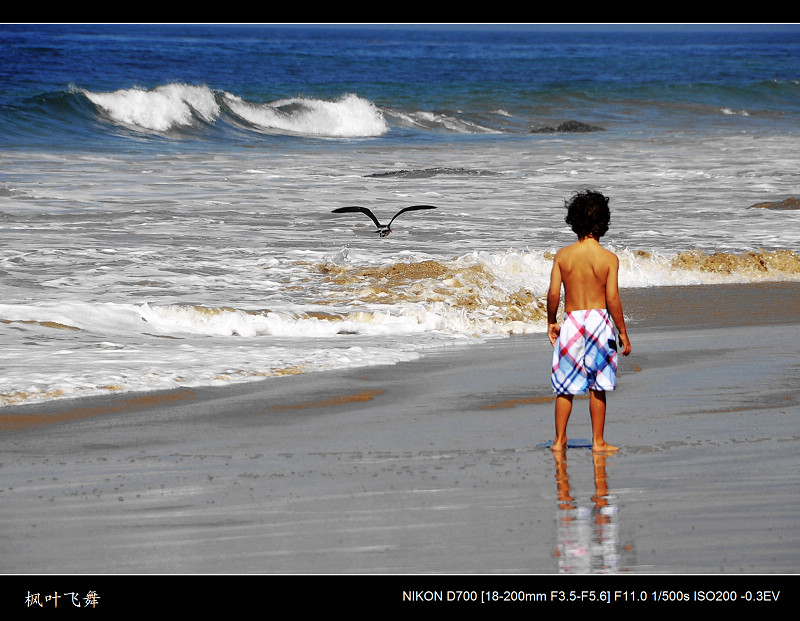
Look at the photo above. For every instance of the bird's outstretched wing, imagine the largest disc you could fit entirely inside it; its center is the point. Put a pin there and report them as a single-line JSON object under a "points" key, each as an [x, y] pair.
{"points": [[362, 210], [412, 208]]}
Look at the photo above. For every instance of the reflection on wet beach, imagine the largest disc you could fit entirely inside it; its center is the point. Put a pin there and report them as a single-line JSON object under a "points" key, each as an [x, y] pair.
{"points": [[588, 536]]}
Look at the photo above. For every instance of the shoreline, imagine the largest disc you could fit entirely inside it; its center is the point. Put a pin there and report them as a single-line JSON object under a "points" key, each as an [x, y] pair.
{"points": [[686, 307], [438, 465]]}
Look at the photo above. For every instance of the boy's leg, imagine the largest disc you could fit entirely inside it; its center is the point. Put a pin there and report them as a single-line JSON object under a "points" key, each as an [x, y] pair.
{"points": [[597, 411], [563, 410]]}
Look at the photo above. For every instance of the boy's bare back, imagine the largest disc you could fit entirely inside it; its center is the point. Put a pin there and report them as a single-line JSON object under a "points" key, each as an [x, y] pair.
{"points": [[584, 268], [589, 275]]}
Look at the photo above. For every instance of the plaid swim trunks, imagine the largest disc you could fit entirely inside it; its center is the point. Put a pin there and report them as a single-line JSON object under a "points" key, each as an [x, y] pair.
{"points": [[585, 355]]}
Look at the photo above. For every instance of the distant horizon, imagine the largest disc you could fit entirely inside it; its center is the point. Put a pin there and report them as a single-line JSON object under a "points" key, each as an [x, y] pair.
{"points": [[676, 27], [616, 26]]}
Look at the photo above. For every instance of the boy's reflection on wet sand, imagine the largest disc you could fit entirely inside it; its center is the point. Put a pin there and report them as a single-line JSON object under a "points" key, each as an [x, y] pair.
{"points": [[588, 537]]}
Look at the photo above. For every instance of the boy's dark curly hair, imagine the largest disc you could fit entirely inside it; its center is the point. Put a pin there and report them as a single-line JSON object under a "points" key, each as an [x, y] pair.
{"points": [[588, 214]]}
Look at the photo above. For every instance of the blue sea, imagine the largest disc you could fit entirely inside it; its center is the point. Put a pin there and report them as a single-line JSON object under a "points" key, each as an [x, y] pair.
{"points": [[166, 191]]}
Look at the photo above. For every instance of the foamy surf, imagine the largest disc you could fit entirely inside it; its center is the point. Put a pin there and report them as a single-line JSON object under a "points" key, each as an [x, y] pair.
{"points": [[361, 315], [159, 110], [349, 116], [182, 106]]}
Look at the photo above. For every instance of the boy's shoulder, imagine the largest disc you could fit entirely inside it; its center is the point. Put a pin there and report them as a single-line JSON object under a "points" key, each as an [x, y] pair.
{"points": [[605, 252], [567, 250]]}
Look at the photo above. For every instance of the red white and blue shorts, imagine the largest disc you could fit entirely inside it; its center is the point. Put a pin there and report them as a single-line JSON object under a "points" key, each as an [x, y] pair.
{"points": [[585, 355]]}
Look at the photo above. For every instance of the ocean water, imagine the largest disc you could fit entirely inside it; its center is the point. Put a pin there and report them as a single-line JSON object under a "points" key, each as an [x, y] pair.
{"points": [[166, 191]]}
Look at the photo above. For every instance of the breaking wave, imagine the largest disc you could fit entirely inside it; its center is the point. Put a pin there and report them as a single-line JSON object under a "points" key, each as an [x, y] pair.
{"points": [[481, 293], [178, 110], [178, 107]]}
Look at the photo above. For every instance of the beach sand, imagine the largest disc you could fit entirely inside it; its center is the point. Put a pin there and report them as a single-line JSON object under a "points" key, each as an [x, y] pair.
{"points": [[434, 466]]}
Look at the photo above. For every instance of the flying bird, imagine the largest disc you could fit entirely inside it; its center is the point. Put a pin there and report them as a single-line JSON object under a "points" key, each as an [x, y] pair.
{"points": [[383, 230]]}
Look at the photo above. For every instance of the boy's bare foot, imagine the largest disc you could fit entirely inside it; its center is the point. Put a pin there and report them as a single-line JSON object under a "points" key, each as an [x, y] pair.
{"points": [[604, 447], [559, 446]]}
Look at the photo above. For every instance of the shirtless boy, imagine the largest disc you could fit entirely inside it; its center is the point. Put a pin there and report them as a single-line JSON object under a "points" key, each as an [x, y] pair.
{"points": [[585, 354]]}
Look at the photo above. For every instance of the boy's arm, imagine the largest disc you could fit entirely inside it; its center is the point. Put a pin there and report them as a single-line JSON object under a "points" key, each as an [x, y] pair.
{"points": [[614, 305], [553, 299]]}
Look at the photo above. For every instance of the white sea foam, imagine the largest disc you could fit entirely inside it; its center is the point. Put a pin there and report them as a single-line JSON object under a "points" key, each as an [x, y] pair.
{"points": [[161, 109], [349, 116], [176, 106]]}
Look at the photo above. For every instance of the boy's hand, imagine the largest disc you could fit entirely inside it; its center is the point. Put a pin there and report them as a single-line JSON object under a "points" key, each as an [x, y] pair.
{"points": [[626, 344], [553, 330]]}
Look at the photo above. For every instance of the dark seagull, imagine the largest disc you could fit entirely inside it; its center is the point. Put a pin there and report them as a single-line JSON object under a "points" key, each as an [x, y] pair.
{"points": [[383, 230]]}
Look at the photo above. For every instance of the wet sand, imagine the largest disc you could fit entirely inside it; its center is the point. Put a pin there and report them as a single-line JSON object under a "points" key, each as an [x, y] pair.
{"points": [[438, 466]]}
